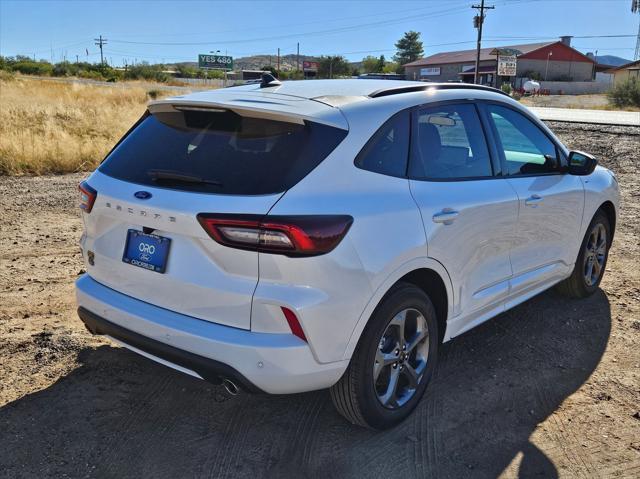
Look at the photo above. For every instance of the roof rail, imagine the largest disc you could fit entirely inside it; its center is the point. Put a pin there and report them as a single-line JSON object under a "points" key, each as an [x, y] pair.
{"points": [[436, 86]]}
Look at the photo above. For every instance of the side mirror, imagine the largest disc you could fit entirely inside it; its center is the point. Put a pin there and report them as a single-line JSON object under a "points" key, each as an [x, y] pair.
{"points": [[581, 163]]}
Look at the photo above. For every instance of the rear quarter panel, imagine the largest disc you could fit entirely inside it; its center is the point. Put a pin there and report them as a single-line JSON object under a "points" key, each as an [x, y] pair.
{"points": [[387, 232]]}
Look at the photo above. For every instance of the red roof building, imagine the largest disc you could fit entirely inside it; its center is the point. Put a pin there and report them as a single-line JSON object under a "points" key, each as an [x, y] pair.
{"points": [[543, 61]]}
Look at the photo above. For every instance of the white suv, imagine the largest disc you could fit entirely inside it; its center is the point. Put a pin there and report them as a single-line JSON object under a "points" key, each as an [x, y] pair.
{"points": [[305, 235]]}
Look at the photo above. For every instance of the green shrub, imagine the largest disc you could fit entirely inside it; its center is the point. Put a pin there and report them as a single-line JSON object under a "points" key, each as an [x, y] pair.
{"points": [[625, 94], [506, 87], [29, 67], [144, 71]]}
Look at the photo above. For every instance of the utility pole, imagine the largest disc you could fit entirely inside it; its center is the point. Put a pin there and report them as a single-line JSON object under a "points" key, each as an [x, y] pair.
{"points": [[278, 67], [635, 8], [477, 22], [100, 42], [298, 58], [77, 61]]}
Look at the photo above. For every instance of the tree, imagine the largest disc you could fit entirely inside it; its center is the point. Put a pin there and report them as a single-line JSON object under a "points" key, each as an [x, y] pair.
{"points": [[409, 48], [392, 67], [333, 66], [369, 64], [372, 64], [270, 69]]}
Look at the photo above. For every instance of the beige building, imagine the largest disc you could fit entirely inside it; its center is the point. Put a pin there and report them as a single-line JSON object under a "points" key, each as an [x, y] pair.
{"points": [[630, 71]]}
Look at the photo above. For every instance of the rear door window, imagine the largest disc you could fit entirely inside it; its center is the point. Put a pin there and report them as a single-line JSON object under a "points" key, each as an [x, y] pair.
{"points": [[221, 152], [448, 143]]}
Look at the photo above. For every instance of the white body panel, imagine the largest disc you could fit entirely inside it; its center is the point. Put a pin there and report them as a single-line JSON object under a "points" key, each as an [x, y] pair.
{"points": [[549, 218], [225, 304], [287, 365], [475, 246], [203, 279]]}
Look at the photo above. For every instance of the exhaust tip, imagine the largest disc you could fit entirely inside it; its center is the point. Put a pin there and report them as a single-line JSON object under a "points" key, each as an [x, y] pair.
{"points": [[230, 386]]}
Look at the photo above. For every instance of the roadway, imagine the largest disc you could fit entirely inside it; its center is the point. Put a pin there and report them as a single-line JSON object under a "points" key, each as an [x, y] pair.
{"points": [[574, 115]]}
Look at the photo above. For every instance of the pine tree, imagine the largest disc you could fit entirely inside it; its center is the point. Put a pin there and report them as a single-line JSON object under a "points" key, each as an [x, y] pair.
{"points": [[409, 48]]}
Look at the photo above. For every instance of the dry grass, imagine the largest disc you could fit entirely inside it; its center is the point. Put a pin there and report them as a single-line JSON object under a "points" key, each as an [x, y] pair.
{"points": [[50, 127]]}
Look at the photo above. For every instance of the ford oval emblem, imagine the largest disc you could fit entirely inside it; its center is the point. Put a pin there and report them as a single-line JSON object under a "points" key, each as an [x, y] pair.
{"points": [[142, 195]]}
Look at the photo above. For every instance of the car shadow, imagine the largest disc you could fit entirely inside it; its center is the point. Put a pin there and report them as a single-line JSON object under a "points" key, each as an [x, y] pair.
{"points": [[120, 415]]}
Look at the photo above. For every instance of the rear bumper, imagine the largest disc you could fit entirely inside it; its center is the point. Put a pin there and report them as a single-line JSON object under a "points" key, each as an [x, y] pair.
{"points": [[260, 362], [208, 369]]}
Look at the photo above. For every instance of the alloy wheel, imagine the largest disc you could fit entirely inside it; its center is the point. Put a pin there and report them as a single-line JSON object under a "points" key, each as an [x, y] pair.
{"points": [[401, 358], [595, 254]]}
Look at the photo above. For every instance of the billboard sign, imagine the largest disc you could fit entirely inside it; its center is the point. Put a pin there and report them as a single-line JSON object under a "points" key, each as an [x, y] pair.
{"points": [[507, 65], [309, 66], [430, 71], [214, 62]]}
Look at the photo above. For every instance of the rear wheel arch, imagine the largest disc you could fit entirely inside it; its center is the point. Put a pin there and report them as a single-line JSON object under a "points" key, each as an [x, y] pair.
{"points": [[425, 273], [433, 286]]}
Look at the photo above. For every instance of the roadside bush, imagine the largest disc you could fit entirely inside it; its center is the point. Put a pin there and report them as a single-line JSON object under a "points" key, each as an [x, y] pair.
{"points": [[506, 87], [625, 94], [29, 67], [144, 71], [64, 69], [90, 74], [186, 71]]}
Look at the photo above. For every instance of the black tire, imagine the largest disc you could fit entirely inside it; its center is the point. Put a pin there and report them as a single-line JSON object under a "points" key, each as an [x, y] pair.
{"points": [[355, 395], [576, 285]]}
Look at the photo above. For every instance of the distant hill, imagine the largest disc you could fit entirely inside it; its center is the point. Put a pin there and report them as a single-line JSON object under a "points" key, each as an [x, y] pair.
{"points": [[256, 62], [612, 60]]}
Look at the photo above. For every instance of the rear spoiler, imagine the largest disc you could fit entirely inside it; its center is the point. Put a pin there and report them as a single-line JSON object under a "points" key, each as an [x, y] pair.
{"points": [[257, 106]]}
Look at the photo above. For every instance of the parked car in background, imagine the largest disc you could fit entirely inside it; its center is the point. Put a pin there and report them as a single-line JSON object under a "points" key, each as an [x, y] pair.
{"points": [[283, 238]]}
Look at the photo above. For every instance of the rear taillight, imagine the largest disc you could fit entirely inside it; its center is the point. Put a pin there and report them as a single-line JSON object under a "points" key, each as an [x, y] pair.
{"points": [[289, 235], [87, 196]]}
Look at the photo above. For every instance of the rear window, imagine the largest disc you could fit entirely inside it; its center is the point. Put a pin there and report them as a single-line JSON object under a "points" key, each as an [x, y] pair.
{"points": [[220, 152]]}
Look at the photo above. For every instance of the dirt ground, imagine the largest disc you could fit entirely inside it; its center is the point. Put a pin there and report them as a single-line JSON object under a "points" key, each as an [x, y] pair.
{"points": [[550, 388]]}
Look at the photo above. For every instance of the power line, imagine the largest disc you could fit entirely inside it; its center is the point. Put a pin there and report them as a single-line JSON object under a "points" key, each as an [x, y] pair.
{"points": [[393, 21], [297, 24]]}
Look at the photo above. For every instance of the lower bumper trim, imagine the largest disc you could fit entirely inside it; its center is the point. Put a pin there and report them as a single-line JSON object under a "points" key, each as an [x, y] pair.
{"points": [[209, 369]]}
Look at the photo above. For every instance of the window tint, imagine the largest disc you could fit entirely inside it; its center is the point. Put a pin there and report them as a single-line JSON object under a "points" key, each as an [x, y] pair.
{"points": [[527, 150], [388, 149], [449, 143], [220, 152]]}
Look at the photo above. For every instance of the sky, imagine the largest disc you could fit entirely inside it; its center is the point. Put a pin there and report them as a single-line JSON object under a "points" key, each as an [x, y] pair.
{"points": [[171, 31]]}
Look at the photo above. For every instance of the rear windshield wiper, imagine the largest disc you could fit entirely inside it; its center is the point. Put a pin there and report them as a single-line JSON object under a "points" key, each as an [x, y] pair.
{"points": [[168, 175]]}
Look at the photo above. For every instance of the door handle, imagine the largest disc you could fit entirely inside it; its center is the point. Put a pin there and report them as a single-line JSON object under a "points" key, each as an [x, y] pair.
{"points": [[533, 200], [446, 216]]}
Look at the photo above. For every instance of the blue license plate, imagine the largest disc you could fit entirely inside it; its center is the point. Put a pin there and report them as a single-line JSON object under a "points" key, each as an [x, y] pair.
{"points": [[146, 251]]}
